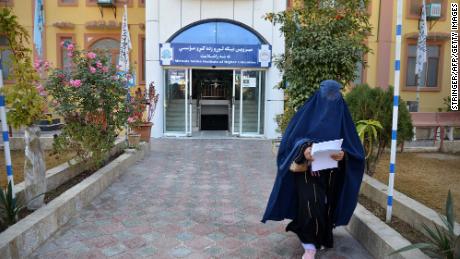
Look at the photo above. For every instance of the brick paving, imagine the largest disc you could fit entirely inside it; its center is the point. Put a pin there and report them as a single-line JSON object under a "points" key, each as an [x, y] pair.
{"points": [[188, 199]]}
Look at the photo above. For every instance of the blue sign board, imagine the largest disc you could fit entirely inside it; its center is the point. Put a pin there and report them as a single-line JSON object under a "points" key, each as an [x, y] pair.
{"points": [[217, 55]]}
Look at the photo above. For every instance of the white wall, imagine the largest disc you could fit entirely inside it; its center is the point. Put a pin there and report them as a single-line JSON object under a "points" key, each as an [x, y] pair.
{"points": [[165, 17]]}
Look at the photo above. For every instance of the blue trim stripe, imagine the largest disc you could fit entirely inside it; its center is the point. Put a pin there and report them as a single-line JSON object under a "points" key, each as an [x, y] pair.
{"points": [[5, 136], [390, 201], [9, 170], [393, 134], [397, 65], [2, 100], [398, 29], [395, 100], [392, 168]]}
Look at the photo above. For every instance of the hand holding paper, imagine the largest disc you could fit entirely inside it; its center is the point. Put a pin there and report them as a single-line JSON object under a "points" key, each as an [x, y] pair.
{"points": [[322, 152]]}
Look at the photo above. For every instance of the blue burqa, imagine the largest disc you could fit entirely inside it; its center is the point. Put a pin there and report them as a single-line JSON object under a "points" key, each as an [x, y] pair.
{"points": [[323, 117]]}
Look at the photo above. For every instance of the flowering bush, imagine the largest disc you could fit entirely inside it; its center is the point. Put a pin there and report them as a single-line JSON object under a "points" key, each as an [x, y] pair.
{"points": [[141, 102], [90, 96]]}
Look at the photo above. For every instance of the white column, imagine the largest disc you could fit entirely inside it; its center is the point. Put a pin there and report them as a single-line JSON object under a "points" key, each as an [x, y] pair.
{"points": [[154, 71], [274, 98]]}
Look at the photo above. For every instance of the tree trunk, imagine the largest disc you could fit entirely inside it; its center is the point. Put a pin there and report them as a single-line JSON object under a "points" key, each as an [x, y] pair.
{"points": [[34, 168]]}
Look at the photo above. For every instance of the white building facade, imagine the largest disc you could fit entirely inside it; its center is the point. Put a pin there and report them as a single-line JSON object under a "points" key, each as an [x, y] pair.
{"points": [[211, 61]]}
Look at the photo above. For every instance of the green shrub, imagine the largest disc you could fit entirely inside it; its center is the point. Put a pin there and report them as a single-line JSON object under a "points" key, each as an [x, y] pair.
{"points": [[366, 103]]}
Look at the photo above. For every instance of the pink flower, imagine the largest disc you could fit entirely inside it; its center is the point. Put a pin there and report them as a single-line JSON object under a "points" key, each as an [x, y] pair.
{"points": [[37, 64], [69, 54], [130, 120], [92, 69], [99, 64], [91, 55], [70, 47], [61, 76], [46, 65], [75, 83], [40, 87], [105, 69]]}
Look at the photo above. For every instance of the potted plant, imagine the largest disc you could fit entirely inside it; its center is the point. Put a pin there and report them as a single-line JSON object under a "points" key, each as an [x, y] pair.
{"points": [[143, 101], [134, 139]]}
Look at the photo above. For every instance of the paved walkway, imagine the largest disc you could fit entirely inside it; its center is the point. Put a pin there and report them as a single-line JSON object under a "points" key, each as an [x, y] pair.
{"points": [[192, 199]]}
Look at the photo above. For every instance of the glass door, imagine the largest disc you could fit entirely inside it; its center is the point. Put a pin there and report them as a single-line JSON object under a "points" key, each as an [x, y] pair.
{"points": [[236, 102], [249, 102], [177, 102], [189, 107]]}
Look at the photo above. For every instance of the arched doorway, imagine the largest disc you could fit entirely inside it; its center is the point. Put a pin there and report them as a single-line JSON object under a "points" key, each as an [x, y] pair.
{"points": [[214, 73]]}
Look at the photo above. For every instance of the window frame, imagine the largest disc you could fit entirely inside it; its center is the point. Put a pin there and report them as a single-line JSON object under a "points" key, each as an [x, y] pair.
{"points": [[61, 3], [141, 59], [364, 70], [91, 38], [8, 3], [404, 73], [8, 81], [59, 37], [129, 4], [411, 16]]}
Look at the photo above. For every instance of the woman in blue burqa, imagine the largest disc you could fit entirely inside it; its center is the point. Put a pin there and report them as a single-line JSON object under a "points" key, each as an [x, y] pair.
{"points": [[321, 200]]}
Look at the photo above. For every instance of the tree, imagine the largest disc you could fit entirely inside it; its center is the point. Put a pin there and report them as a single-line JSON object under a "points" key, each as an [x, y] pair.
{"points": [[323, 41], [25, 105]]}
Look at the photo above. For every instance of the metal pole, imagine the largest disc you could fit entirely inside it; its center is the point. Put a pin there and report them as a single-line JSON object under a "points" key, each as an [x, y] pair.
{"points": [[394, 133], [6, 142]]}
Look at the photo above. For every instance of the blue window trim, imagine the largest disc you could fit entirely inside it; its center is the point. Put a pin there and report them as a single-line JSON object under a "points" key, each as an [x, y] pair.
{"points": [[239, 24]]}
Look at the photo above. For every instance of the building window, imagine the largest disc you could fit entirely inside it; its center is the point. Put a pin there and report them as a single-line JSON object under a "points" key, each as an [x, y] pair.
{"points": [[109, 46], [216, 32], [359, 74], [430, 71], [415, 7], [4, 3], [64, 61], [6, 60], [67, 2], [117, 2], [142, 59]]}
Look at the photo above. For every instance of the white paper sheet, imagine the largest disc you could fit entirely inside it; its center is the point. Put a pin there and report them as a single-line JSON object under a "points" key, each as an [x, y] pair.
{"points": [[321, 153]]}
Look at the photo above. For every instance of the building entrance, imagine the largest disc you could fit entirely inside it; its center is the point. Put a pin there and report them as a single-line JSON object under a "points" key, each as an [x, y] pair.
{"points": [[213, 94], [230, 100]]}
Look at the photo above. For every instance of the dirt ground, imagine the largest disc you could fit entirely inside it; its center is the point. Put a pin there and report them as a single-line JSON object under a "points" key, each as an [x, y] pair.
{"points": [[425, 177], [17, 159]]}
